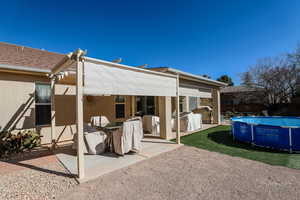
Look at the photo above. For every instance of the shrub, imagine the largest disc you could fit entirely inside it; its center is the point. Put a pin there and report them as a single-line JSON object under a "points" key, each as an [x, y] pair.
{"points": [[18, 142]]}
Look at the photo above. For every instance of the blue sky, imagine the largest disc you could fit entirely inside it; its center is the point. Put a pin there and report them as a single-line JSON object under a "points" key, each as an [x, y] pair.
{"points": [[211, 37]]}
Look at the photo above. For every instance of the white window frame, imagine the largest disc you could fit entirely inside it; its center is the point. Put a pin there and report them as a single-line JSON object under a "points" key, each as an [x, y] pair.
{"points": [[197, 101], [182, 100], [120, 103], [37, 104]]}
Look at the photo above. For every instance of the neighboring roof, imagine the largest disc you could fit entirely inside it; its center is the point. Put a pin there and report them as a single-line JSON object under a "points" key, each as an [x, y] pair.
{"points": [[20, 56], [179, 72], [239, 88]]}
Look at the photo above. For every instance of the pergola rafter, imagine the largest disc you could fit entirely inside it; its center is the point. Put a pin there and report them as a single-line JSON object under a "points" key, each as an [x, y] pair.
{"points": [[91, 76]]}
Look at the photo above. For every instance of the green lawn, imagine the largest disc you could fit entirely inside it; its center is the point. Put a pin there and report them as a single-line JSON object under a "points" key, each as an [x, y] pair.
{"points": [[219, 139]]}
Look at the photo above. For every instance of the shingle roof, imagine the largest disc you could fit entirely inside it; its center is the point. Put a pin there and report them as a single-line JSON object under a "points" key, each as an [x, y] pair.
{"points": [[239, 88], [16, 55]]}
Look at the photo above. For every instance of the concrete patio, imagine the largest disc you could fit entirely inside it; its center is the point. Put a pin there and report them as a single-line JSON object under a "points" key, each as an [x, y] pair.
{"points": [[97, 165]]}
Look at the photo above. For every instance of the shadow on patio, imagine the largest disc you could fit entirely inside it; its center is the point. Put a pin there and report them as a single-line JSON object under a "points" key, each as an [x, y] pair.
{"points": [[98, 165], [35, 160]]}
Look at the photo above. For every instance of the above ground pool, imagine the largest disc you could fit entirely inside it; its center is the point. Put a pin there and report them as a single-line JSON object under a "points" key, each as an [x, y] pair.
{"points": [[282, 133]]}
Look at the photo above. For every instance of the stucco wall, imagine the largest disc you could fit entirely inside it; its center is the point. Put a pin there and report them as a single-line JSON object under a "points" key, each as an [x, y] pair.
{"points": [[17, 108], [213, 102], [216, 106], [17, 100]]}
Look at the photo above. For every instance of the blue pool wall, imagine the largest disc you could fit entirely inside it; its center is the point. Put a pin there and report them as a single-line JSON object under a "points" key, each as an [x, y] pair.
{"points": [[286, 137]]}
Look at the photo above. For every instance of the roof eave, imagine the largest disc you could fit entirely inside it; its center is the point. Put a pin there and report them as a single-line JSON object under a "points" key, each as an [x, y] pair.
{"points": [[23, 69], [198, 78]]}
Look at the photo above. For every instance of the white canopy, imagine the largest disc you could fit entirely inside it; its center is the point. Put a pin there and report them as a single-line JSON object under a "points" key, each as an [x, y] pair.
{"points": [[97, 77], [106, 78], [192, 90]]}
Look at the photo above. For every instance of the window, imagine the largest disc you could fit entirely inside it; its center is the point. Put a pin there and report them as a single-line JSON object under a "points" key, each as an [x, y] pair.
{"points": [[150, 105], [181, 104], [120, 107], [42, 104], [145, 105], [193, 104]]}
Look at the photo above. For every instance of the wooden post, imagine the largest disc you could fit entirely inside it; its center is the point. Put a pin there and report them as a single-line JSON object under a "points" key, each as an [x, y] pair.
{"points": [[53, 131], [187, 104], [216, 106], [132, 106], [79, 118], [219, 105], [165, 117], [177, 112]]}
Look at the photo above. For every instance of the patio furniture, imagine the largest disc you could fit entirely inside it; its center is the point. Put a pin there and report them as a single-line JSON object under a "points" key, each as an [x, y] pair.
{"points": [[94, 140], [206, 112], [109, 129], [99, 121], [96, 77], [151, 125], [128, 137], [189, 122]]}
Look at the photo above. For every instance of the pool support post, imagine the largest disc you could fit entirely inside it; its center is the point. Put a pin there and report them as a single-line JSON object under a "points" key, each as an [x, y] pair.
{"points": [[290, 140], [232, 129], [252, 135]]}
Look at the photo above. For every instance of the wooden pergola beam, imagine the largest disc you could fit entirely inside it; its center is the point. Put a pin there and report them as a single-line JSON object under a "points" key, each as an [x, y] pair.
{"points": [[79, 119], [177, 112], [65, 62], [53, 117]]}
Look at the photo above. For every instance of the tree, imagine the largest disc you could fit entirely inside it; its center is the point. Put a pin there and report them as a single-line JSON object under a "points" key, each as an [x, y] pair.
{"points": [[247, 79], [226, 79], [294, 59], [277, 77]]}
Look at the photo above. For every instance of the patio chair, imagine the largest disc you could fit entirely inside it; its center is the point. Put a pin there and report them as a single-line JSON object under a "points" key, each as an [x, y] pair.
{"points": [[151, 125], [128, 137], [99, 121], [94, 140], [189, 122]]}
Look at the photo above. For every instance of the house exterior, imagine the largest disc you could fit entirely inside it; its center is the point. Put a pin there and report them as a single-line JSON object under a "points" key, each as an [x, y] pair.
{"points": [[242, 99], [197, 92], [26, 102]]}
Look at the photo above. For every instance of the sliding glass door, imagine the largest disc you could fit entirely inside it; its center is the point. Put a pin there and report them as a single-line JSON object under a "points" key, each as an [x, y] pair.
{"points": [[145, 105]]}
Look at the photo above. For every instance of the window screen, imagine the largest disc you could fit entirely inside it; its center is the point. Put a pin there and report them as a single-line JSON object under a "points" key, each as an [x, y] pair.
{"points": [[42, 104], [192, 103], [181, 103], [120, 106]]}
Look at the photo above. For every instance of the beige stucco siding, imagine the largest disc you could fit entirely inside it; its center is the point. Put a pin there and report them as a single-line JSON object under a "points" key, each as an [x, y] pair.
{"points": [[17, 100], [104, 105], [214, 102], [17, 107], [203, 85], [16, 110], [216, 106], [65, 114]]}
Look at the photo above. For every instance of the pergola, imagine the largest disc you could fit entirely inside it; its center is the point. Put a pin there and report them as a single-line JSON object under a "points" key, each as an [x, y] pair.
{"points": [[94, 77]]}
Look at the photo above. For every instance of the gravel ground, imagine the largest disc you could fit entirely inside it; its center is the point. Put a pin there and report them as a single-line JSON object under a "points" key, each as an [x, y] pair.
{"points": [[185, 173], [35, 184], [191, 173]]}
